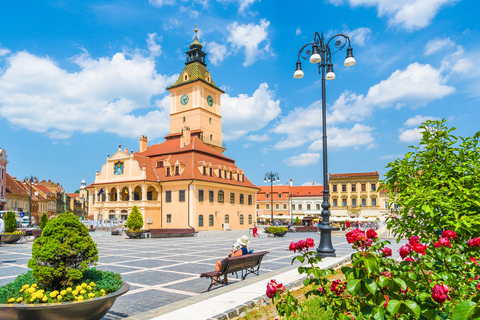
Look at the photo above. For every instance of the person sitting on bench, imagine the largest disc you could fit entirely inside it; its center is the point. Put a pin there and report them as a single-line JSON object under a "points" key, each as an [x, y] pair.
{"points": [[243, 241]]}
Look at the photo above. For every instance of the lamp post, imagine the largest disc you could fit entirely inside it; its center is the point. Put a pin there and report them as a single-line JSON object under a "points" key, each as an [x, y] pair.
{"points": [[31, 180], [321, 55], [272, 177]]}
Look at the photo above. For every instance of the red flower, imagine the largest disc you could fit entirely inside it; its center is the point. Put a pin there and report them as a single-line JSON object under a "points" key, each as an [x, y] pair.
{"points": [[387, 274], [404, 251], [271, 288], [293, 247], [404, 291], [409, 259], [301, 244], [338, 287], [474, 242], [449, 234], [310, 242], [474, 260], [445, 242], [355, 235], [413, 240], [440, 293], [386, 301], [420, 248], [371, 234], [386, 251], [322, 290], [437, 244]]}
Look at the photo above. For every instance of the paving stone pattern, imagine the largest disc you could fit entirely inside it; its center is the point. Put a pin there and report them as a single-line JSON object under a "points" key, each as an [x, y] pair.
{"points": [[163, 271]]}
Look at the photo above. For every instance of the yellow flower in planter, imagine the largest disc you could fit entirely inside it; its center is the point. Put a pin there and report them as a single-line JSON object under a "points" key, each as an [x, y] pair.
{"points": [[92, 284], [53, 294], [20, 299], [69, 289], [74, 292], [26, 286], [33, 298], [39, 295], [84, 285], [83, 292], [80, 298], [59, 297], [89, 288], [11, 300], [63, 292], [31, 290], [44, 299], [34, 285], [91, 295], [102, 290], [78, 288]]}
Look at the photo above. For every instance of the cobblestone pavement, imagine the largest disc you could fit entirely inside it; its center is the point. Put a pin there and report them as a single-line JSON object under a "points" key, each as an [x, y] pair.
{"points": [[163, 271]]}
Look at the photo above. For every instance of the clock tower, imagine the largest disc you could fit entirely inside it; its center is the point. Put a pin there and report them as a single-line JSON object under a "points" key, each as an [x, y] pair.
{"points": [[195, 101]]}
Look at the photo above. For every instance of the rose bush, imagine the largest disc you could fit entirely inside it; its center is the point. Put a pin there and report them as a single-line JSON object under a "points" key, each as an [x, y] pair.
{"points": [[438, 278]]}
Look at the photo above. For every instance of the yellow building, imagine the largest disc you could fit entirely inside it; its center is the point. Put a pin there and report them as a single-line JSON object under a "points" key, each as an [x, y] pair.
{"points": [[355, 195], [186, 181]]}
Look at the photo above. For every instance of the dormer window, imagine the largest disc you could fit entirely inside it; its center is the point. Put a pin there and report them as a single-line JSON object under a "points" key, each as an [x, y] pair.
{"points": [[168, 171], [208, 79], [211, 172], [231, 176], [219, 173], [204, 171], [177, 170], [243, 178]]}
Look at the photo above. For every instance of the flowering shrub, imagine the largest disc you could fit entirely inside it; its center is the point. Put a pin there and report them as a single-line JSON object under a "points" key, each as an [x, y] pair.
{"points": [[436, 279]]}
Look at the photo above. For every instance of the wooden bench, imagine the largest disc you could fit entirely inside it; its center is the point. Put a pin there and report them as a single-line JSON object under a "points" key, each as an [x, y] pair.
{"points": [[306, 229], [246, 264], [171, 233]]}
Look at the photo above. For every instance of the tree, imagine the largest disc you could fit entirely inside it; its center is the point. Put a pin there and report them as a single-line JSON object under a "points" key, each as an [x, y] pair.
{"points": [[63, 252], [297, 220], [10, 222], [43, 221], [135, 220], [436, 186]]}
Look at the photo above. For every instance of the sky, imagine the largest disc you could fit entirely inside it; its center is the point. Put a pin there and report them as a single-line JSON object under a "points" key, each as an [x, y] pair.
{"points": [[79, 77]]}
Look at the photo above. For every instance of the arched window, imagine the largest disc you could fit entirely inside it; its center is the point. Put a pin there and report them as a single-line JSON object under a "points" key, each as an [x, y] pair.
{"points": [[241, 219], [125, 194], [137, 194], [227, 219], [200, 220], [249, 219], [210, 220], [220, 196], [113, 194]]}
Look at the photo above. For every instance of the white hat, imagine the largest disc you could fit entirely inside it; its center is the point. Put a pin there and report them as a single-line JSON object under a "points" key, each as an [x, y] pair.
{"points": [[243, 240]]}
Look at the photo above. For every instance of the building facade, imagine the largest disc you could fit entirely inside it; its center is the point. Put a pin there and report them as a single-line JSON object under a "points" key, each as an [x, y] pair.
{"points": [[186, 181], [3, 179]]}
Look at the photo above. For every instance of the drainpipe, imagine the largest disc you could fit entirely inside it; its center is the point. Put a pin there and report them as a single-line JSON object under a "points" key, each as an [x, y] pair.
{"points": [[188, 204], [161, 205]]}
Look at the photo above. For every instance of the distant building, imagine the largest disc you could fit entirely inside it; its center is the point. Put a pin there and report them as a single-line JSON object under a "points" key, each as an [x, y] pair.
{"points": [[3, 178], [185, 181]]}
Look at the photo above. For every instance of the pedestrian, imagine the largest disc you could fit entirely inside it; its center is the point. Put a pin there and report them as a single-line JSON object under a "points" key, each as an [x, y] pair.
{"points": [[356, 224], [2, 228], [255, 231], [348, 224]]}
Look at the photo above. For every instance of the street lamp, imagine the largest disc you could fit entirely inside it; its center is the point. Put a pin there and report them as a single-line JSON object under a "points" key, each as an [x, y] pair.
{"points": [[272, 177], [321, 55], [31, 180]]}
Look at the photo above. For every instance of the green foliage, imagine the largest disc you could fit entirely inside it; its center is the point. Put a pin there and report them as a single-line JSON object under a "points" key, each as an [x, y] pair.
{"points": [[9, 290], [63, 252], [10, 222], [43, 221], [135, 220], [277, 229], [437, 185], [297, 221]]}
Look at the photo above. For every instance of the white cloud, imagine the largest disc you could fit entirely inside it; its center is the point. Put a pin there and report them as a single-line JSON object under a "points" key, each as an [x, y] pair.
{"points": [[252, 38], [111, 94], [172, 24], [242, 4], [391, 156], [438, 44], [4, 52], [339, 138], [243, 114], [153, 46], [305, 159], [410, 135], [258, 138], [298, 31], [160, 3], [417, 120], [359, 35], [217, 52], [408, 14]]}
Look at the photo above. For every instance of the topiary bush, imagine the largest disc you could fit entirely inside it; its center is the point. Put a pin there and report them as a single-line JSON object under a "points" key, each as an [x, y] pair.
{"points": [[63, 252], [43, 221], [135, 220], [277, 229], [10, 222]]}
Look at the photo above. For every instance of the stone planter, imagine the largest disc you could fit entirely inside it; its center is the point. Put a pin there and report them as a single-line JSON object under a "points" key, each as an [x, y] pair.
{"points": [[93, 309], [11, 238], [280, 234], [134, 234]]}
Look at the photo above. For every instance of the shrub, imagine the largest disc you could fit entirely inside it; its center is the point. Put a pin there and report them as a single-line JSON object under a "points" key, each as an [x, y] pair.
{"points": [[63, 252], [43, 221], [277, 229], [297, 221], [10, 222], [135, 219]]}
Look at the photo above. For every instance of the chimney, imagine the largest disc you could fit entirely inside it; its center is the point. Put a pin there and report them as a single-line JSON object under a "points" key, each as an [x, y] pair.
{"points": [[186, 136], [143, 143], [291, 182], [49, 180]]}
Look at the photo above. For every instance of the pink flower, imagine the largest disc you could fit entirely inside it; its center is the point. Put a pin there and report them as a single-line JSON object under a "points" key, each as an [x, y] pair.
{"points": [[413, 240], [404, 291], [409, 259], [371, 234], [293, 247], [322, 290], [474, 260], [386, 301], [437, 244], [474, 242], [449, 234], [310, 242], [386, 251], [445, 242], [355, 235], [300, 244], [338, 287], [420, 248], [271, 288], [478, 286], [440, 293], [404, 251]]}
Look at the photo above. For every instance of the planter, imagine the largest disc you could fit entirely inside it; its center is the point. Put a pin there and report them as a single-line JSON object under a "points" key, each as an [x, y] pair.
{"points": [[93, 309], [11, 238], [134, 234], [280, 234]]}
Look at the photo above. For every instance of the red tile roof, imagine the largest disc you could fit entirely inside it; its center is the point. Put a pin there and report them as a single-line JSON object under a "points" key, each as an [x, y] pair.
{"points": [[307, 191], [287, 191], [15, 187], [353, 175]]}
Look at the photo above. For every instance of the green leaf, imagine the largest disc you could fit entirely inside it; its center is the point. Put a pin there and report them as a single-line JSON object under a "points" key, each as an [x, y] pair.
{"points": [[382, 282], [401, 283], [378, 314], [353, 286], [371, 285], [393, 306], [464, 310], [371, 264], [413, 308]]}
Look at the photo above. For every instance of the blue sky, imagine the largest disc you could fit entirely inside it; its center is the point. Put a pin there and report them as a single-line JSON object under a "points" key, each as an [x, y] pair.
{"points": [[79, 77]]}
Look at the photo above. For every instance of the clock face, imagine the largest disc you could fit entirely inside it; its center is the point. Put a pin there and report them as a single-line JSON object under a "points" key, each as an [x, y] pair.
{"points": [[184, 99], [210, 101]]}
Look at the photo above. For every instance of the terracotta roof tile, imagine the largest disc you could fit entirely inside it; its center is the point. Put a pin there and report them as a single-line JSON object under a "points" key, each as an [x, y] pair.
{"points": [[15, 187], [353, 175]]}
